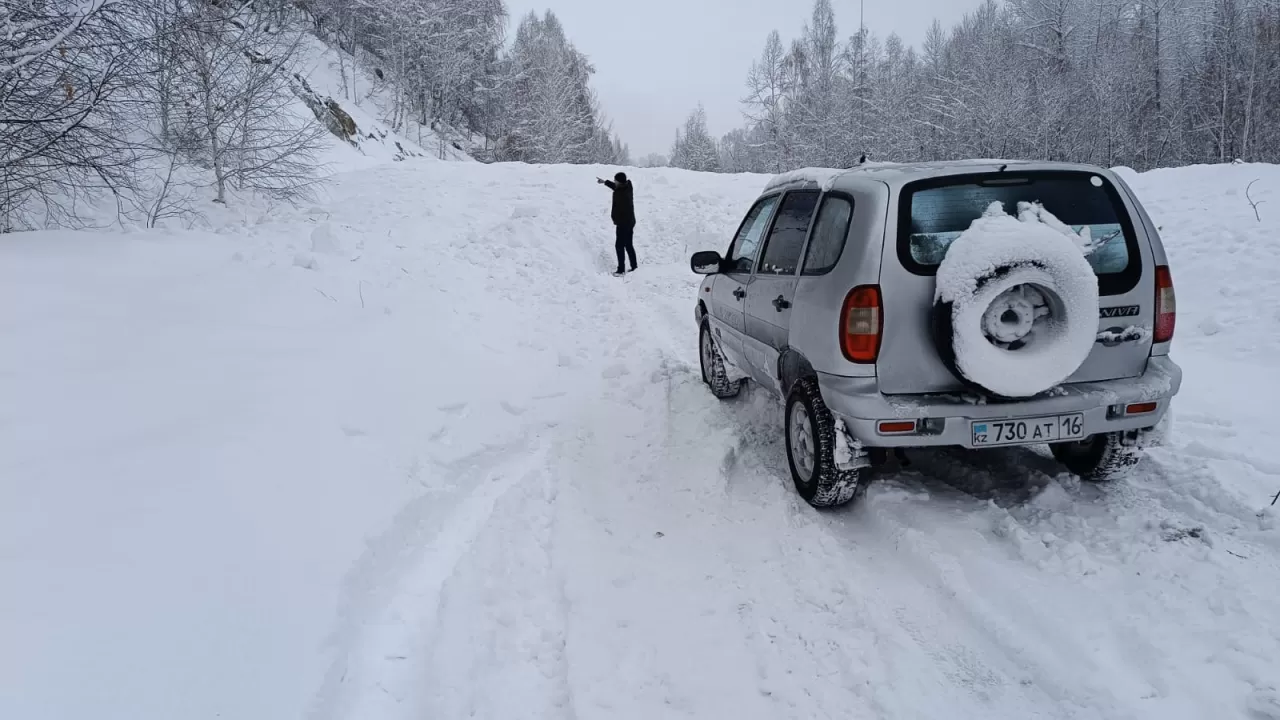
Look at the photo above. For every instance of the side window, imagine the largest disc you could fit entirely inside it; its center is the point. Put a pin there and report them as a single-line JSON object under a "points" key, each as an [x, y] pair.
{"points": [[743, 253], [786, 240], [829, 234]]}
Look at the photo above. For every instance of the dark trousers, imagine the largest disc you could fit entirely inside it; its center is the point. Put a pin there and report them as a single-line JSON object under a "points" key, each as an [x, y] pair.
{"points": [[624, 247]]}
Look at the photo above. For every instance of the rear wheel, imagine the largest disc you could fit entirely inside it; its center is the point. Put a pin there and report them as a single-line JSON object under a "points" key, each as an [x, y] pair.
{"points": [[811, 443], [1100, 458], [713, 370]]}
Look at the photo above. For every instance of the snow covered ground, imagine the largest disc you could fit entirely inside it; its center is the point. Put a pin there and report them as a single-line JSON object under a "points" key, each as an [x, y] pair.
{"points": [[412, 452]]}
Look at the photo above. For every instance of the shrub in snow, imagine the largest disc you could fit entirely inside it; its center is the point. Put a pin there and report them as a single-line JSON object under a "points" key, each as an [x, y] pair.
{"points": [[1016, 305]]}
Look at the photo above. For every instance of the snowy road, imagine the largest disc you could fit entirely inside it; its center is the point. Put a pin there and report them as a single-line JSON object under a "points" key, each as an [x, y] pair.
{"points": [[430, 460]]}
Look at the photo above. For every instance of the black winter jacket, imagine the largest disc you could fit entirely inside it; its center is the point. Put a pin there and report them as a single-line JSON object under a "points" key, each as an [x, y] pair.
{"points": [[624, 209]]}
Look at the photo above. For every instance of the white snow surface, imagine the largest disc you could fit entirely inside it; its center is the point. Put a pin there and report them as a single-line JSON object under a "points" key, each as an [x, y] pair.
{"points": [[448, 467], [824, 178], [1056, 344]]}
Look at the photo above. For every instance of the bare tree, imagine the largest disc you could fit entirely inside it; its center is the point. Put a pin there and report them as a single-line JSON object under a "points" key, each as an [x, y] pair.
{"points": [[61, 135], [238, 112], [767, 88]]}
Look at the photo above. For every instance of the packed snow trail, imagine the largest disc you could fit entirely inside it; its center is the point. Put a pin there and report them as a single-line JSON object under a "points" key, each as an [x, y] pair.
{"points": [[414, 453]]}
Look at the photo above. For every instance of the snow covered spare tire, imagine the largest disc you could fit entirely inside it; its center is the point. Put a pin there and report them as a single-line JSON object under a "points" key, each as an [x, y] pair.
{"points": [[1016, 306]]}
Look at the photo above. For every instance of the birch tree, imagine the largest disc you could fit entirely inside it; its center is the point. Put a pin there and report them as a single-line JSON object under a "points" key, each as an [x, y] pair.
{"points": [[238, 111], [767, 88]]}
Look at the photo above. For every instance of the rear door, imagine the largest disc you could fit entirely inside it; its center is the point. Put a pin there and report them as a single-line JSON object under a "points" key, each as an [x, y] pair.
{"points": [[729, 291], [932, 213], [772, 289]]}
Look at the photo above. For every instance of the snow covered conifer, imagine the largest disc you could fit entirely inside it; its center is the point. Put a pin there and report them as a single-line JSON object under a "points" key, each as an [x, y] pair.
{"points": [[695, 149], [551, 112]]}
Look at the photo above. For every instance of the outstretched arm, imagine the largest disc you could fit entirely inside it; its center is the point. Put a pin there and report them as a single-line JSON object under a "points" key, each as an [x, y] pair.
{"points": [[607, 183]]}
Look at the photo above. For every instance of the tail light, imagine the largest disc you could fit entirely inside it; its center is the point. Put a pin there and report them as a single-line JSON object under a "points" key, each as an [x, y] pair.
{"points": [[1166, 305], [861, 324]]}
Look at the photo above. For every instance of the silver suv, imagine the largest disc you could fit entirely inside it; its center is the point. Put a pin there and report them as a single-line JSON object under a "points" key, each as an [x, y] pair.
{"points": [[891, 306]]}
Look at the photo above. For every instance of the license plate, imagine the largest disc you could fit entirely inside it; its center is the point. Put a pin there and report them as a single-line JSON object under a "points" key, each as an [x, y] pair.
{"points": [[1055, 428]]}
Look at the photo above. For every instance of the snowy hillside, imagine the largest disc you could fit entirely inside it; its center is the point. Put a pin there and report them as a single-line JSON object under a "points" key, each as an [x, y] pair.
{"points": [[412, 452], [334, 74]]}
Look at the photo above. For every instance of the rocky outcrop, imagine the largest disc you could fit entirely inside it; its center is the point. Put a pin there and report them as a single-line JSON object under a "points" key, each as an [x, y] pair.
{"points": [[327, 110]]}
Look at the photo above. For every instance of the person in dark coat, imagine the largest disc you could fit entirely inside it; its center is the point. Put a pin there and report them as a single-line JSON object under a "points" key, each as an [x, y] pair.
{"points": [[624, 217]]}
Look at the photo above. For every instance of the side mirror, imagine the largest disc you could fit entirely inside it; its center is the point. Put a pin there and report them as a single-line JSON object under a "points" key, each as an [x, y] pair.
{"points": [[706, 262]]}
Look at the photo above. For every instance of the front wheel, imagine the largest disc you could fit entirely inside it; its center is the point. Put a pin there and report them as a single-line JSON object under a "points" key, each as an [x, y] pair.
{"points": [[1099, 458], [811, 444], [713, 370]]}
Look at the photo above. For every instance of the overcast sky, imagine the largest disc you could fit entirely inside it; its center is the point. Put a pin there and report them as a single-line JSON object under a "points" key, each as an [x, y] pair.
{"points": [[656, 59]]}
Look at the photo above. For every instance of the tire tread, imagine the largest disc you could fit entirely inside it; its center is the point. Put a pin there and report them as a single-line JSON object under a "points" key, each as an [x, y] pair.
{"points": [[1108, 459], [834, 486], [716, 378]]}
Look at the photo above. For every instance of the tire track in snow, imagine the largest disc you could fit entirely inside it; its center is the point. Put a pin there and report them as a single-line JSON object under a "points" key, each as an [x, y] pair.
{"points": [[832, 604], [998, 548], [485, 648], [497, 649], [392, 597], [798, 666]]}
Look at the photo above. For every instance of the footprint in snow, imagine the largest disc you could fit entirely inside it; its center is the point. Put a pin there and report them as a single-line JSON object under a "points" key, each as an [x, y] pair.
{"points": [[353, 431], [513, 409], [453, 409]]}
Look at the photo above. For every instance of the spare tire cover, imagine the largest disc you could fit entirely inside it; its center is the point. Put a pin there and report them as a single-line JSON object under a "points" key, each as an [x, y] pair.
{"points": [[1016, 305]]}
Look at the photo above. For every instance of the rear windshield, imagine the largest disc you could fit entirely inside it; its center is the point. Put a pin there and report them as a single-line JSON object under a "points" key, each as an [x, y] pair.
{"points": [[935, 212]]}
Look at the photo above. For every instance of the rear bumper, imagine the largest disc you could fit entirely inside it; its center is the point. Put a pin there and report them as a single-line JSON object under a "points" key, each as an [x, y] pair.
{"points": [[859, 403]]}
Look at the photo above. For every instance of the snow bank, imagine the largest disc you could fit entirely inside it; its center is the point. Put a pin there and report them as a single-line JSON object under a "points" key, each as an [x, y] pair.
{"points": [[1210, 232], [995, 276]]}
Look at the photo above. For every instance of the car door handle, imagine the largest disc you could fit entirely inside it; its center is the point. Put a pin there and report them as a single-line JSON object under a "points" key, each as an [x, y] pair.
{"points": [[780, 303], [739, 293]]}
